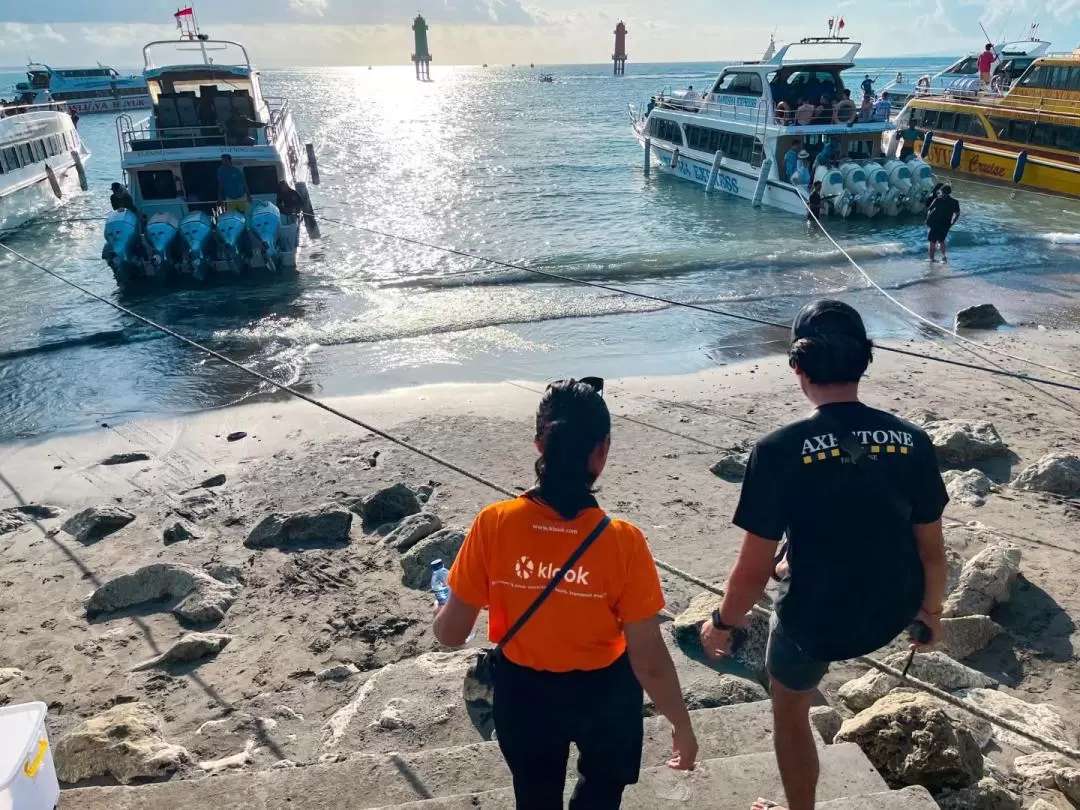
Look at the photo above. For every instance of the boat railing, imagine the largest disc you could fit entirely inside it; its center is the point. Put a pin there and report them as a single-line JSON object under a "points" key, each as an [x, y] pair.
{"points": [[1013, 99], [14, 108], [279, 112]]}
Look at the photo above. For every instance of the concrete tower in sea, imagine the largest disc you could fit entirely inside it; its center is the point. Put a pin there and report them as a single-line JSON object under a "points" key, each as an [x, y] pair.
{"points": [[421, 53], [619, 57]]}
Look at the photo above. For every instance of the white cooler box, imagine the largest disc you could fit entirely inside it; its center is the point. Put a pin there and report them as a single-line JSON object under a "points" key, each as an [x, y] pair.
{"points": [[27, 775]]}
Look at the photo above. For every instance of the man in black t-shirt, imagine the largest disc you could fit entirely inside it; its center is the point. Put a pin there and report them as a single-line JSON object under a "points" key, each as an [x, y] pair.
{"points": [[858, 494], [942, 214]]}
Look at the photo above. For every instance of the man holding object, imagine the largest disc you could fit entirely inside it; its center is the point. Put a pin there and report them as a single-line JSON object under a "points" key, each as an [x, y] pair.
{"points": [[858, 494]]}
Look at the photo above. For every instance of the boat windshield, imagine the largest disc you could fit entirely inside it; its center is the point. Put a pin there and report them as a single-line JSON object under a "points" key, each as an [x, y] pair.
{"points": [[197, 85], [965, 67]]}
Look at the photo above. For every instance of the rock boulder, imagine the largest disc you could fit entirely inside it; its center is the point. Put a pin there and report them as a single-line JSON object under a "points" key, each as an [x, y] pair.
{"points": [[982, 316], [969, 487], [178, 532], [967, 635], [326, 525], [191, 647], [731, 467], [196, 596], [416, 562], [958, 442], [985, 582], [124, 742], [388, 506], [827, 722], [96, 522], [911, 741], [1056, 473], [1041, 718], [986, 794], [933, 667], [412, 530], [1050, 770]]}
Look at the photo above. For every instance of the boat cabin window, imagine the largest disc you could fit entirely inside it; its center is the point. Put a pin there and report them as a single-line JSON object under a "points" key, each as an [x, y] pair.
{"points": [[966, 67], [796, 84], [201, 101], [1051, 77], [261, 179], [739, 84], [707, 139], [157, 184], [665, 130], [1056, 136], [10, 159]]}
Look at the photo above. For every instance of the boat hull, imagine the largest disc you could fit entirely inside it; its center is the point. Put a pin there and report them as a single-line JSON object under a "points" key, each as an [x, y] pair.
{"points": [[89, 106], [997, 165], [33, 199]]}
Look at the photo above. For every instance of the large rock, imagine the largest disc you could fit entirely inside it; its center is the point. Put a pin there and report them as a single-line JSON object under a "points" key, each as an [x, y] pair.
{"points": [[967, 635], [969, 487], [125, 743], [388, 506], [412, 530], [731, 467], [985, 582], [687, 625], [1041, 718], [911, 741], [96, 522], [197, 596], [827, 722], [982, 316], [958, 442], [326, 525], [191, 647], [9, 674], [986, 794], [178, 532], [416, 562], [1049, 770], [1057, 473], [933, 667], [715, 691]]}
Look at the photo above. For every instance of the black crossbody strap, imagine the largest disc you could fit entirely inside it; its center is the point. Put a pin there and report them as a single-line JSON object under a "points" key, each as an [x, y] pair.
{"points": [[851, 445], [555, 581]]}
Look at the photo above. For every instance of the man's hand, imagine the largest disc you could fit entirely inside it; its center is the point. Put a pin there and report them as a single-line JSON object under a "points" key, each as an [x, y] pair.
{"points": [[933, 624], [717, 643], [684, 748]]}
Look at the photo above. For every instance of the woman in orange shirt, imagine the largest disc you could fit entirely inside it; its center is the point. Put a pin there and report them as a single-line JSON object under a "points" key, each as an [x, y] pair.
{"points": [[575, 671]]}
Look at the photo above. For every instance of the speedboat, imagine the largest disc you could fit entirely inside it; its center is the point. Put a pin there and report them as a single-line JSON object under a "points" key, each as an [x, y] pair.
{"points": [[1013, 59], [208, 104], [733, 138], [41, 153], [85, 90]]}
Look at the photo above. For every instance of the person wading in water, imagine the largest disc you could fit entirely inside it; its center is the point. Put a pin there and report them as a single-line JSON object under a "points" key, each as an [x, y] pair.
{"points": [[858, 494], [575, 671]]}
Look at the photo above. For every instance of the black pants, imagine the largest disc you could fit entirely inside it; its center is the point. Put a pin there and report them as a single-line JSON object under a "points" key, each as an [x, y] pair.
{"points": [[538, 715]]}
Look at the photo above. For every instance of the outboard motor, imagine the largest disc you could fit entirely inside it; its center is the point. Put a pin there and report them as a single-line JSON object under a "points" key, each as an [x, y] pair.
{"points": [[866, 201], [161, 231], [195, 230], [922, 176], [230, 228], [265, 224], [835, 196], [900, 180], [890, 199], [121, 229]]}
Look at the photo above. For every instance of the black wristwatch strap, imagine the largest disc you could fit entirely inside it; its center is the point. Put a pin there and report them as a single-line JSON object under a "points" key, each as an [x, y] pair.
{"points": [[718, 623]]}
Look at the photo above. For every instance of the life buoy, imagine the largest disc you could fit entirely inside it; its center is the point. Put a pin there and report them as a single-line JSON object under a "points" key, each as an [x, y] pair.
{"points": [[783, 113], [845, 112], [924, 82]]}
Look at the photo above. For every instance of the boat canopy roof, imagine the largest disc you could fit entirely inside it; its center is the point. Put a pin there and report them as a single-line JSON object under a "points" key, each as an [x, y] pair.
{"points": [[195, 54], [830, 51], [1026, 47]]}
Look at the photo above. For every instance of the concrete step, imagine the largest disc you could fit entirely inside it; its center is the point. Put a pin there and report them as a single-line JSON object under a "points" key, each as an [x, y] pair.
{"points": [[732, 783], [374, 780]]}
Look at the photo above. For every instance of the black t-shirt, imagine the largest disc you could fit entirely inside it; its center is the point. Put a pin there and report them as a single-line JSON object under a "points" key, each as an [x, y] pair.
{"points": [[941, 212], [856, 576], [815, 202]]}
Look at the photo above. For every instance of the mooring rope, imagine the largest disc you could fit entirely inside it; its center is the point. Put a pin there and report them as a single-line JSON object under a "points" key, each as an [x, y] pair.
{"points": [[977, 711]]}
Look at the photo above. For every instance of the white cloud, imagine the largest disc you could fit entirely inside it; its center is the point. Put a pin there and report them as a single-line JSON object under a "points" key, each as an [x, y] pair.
{"points": [[20, 31], [314, 8], [51, 33]]}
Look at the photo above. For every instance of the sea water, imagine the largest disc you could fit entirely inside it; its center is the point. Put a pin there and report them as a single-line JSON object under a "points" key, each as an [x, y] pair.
{"points": [[493, 162]]}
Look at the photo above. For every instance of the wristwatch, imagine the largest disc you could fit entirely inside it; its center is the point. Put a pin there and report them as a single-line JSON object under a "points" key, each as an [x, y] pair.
{"points": [[719, 624]]}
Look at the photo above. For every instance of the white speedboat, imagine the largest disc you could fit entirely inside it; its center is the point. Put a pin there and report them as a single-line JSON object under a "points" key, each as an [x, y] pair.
{"points": [[41, 155], [208, 103], [963, 74], [733, 138], [85, 90]]}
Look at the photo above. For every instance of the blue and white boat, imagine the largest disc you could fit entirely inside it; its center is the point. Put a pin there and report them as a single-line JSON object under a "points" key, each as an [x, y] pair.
{"points": [[84, 90], [733, 138], [208, 102]]}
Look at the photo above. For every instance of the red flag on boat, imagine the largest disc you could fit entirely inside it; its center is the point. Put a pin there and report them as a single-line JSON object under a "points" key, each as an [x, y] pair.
{"points": [[184, 12], [840, 24]]}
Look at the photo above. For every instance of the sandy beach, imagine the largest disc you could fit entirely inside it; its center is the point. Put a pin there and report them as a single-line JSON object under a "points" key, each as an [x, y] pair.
{"points": [[301, 612]]}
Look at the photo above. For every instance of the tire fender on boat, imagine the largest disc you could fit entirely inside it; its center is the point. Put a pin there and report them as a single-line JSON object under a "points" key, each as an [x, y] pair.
{"points": [[1021, 164], [310, 223], [928, 139], [845, 112], [675, 159], [957, 154], [923, 83], [54, 184], [312, 162]]}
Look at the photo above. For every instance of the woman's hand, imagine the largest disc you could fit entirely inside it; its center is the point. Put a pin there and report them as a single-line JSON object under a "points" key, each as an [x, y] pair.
{"points": [[684, 747]]}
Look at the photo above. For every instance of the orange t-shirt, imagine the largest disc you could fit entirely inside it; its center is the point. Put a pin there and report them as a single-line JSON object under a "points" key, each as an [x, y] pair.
{"points": [[508, 558]]}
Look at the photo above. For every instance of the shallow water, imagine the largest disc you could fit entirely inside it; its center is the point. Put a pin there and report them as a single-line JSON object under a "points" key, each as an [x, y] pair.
{"points": [[493, 162]]}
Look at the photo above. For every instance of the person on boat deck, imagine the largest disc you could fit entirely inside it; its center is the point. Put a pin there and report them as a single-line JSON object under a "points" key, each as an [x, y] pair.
{"points": [[289, 201], [867, 86], [986, 61], [824, 112], [941, 216], [791, 159], [866, 110], [801, 176], [882, 108], [238, 129], [121, 199], [74, 117], [804, 114], [232, 187], [908, 135], [651, 107]]}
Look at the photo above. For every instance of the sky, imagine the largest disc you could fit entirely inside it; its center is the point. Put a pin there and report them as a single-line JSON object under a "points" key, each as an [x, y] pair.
{"points": [[360, 32]]}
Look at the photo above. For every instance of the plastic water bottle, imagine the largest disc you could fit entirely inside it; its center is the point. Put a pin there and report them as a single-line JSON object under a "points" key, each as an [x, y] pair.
{"points": [[439, 586]]}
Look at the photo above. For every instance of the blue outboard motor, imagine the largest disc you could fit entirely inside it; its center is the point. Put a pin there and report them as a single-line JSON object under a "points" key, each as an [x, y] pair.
{"points": [[121, 228], [265, 223], [230, 227], [195, 230], [161, 231]]}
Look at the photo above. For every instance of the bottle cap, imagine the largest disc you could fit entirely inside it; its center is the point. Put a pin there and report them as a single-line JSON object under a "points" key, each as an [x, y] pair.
{"points": [[436, 565]]}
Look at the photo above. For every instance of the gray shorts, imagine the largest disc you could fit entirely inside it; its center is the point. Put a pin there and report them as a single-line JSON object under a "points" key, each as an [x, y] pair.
{"points": [[790, 665]]}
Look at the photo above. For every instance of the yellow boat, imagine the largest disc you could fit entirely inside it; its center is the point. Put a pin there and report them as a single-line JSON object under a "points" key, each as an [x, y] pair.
{"points": [[1028, 136]]}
